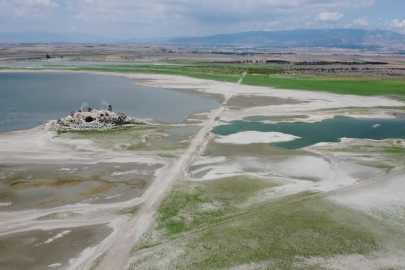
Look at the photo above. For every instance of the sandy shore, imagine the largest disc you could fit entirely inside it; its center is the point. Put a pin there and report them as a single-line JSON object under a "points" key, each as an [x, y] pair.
{"points": [[249, 137], [307, 101], [39, 146]]}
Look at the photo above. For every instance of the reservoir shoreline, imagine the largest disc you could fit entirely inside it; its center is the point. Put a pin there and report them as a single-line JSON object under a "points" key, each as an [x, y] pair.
{"points": [[199, 158], [154, 105]]}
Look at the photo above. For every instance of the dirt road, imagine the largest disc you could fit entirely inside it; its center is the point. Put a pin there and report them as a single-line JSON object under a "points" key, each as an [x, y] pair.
{"points": [[117, 256]]}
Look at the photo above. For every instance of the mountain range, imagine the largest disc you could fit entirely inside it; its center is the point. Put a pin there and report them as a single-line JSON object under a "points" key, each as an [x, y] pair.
{"points": [[339, 38]]}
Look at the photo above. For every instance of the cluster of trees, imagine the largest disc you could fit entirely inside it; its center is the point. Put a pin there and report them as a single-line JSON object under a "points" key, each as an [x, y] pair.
{"points": [[317, 63], [277, 62]]}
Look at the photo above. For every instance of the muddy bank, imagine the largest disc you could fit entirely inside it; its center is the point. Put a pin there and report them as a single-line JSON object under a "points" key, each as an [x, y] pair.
{"points": [[54, 249], [31, 186], [308, 170]]}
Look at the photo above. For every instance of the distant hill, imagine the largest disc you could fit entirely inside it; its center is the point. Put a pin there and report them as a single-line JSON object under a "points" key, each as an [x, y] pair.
{"points": [[45, 37], [341, 38]]}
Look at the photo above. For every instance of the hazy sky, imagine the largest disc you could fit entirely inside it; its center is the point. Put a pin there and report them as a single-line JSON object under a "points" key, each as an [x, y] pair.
{"points": [[167, 18]]}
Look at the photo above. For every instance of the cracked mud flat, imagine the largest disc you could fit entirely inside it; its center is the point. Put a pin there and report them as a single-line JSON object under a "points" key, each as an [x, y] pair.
{"points": [[301, 184]]}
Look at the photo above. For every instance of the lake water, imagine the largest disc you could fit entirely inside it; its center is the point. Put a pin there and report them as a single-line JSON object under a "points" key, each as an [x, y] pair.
{"points": [[258, 118], [326, 131], [74, 64], [30, 99]]}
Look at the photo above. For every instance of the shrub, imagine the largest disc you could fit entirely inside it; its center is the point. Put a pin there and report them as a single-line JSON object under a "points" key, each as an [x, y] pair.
{"points": [[120, 120]]}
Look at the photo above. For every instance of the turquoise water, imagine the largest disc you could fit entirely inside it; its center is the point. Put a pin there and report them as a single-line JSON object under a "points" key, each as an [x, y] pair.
{"points": [[258, 118], [30, 99], [326, 131]]}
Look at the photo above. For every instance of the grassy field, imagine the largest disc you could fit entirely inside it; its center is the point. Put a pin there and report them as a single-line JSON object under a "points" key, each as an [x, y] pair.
{"points": [[263, 75], [210, 71], [203, 222], [202, 203], [279, 237], [258, 75], [352, 86], [199, 73], [208, 68]]}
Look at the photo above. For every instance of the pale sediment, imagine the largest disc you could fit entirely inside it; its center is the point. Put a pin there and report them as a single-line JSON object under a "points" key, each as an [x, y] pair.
{"points": [[249, 137]]}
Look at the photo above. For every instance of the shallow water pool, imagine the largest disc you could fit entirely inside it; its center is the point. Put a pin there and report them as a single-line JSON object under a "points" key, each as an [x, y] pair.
{"points": [[331, 130]]}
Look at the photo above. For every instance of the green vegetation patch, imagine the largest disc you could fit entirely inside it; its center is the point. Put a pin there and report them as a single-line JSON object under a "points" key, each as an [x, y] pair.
{"points": [[266, 75], [202, 203], [97, 261], [138, 138], [352, 86], [280, 236], [182, 210], [388, 148], [392, 147], [277, 234], [263, 75], [60, 183], [136, 123], [53, 216], [101, 189], [211, 71], [104, 132], [199, 73], [237, 188], [385, 154], [130, 211]]}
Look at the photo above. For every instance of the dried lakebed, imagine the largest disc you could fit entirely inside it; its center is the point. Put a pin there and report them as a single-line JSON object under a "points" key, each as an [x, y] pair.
{"points": [[212, 202]]}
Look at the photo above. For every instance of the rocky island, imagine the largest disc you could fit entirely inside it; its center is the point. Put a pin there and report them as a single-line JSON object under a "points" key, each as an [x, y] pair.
{"points": [[87, 118]]}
